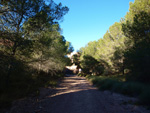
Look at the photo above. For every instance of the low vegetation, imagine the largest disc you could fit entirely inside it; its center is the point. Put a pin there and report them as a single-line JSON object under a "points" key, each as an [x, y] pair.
{"points": [[118, 85], [25, 83]]}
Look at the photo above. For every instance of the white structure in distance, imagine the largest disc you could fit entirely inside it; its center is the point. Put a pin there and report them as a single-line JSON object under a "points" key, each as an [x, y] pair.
{"points": [[73, 67]]}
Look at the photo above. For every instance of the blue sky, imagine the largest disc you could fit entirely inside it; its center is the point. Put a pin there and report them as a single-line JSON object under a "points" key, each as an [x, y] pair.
{"points": [[88, 20]]}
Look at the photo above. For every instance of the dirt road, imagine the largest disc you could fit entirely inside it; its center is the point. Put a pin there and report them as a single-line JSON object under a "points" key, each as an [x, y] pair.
{"points": [[75, 95]]}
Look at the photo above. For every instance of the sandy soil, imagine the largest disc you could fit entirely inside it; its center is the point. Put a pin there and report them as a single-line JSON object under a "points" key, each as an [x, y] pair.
{"points": [[76, 95]]}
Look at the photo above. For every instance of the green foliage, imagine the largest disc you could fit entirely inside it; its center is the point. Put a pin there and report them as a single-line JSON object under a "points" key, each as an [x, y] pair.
{"points": [[69, 47], [137, 7], [90, 65], [128, 88], [23, 80], [118, 60], [138, 55], [32, 49], [125, 46], [108, 50], [125, 50], [76, 60]]}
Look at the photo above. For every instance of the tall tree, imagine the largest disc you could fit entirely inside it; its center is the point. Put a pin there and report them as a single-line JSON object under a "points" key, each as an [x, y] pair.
{"points": [[138, 54], [136, 7], [90, 65], [31, 26]]}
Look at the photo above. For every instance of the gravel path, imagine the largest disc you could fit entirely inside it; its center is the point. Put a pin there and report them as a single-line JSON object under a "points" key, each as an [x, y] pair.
{"points": [[75, 95]]}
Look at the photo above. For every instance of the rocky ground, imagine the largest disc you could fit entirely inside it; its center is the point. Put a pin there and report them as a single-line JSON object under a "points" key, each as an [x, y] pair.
{"points": [[76, 95]]}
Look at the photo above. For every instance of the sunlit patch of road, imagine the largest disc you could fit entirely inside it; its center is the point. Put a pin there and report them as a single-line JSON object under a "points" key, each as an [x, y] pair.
{"points": [[76, 95], [72, 84]]}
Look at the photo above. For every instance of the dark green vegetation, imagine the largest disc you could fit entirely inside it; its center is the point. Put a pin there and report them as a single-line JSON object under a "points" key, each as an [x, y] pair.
{"points": [[123, 50], [32, 49]]}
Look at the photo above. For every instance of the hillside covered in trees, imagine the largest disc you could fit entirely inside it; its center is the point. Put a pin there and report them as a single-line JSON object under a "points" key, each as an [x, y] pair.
{"points": [[32, 49], [121, 58], [125, 47]]}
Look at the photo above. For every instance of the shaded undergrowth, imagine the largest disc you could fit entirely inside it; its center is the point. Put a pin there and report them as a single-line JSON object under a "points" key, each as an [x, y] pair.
{"points": [[26, 86], [22, 81]]}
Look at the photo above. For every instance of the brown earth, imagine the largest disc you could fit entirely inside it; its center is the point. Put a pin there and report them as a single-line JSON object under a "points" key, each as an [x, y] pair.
{"points": [[76, 95]]}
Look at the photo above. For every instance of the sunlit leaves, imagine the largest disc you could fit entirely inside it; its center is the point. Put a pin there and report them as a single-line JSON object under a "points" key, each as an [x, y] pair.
{"points": [[31, 27]]}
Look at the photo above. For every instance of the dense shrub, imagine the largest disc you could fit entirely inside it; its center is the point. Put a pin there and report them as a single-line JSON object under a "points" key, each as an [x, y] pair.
{"points": [[22, 80], [90, 65]]}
